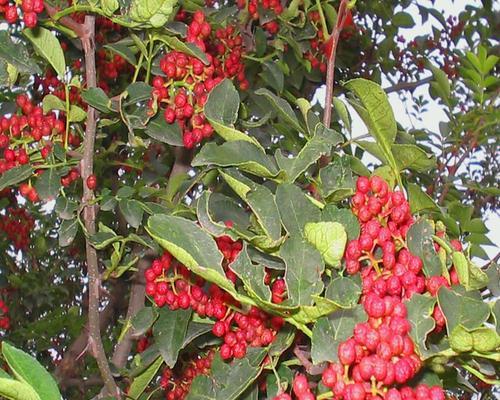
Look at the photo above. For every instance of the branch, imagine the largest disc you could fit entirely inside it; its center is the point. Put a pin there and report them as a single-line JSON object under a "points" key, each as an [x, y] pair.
{"points": [[408, 85], [68, 366], [450, 178], [135, 304], [89, 213], [330, 69], [68, 22]]}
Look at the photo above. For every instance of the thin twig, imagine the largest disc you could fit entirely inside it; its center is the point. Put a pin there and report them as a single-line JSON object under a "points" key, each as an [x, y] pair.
{"points": [[408, 85], [330, 72], [89, 213], [66, 21], [135, 304]]}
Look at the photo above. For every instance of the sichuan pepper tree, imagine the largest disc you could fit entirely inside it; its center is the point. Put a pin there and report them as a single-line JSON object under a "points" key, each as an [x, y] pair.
{"points": [[182, 218]]}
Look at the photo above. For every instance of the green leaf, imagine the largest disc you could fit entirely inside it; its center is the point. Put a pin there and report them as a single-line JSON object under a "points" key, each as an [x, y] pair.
{"points": [[143, 320], [441, 84], [184, 47], [48, 184], [97, 98], [77, 114], [263, 204], [343, 112], [462, 309], [336, 181], [420, 310], [221, 110], [376, 112], [344, 292], [469, 275], [191, 245], [343, 216], [123, 50], [169, 332], [28, 370], [329, 332], [104, 238], [67, 232], [141, 382], [159, 130], [195, 329], [245, 155], [51, 102], [273, 75], [16, 54], [421, 244], [132, 211], [320, 144], [154, 13], [461, 340], [223, 103], [282, 107], [403, 20], [412, 157], [15, 175], [304, 267], [485, 340], [419, 200], [48, 47], [15, 390], [329, 238], [251, 275], [228, 381], [65, 208], [295, 209]]}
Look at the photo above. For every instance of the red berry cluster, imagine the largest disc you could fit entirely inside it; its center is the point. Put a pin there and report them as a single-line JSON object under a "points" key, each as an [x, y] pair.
{"points": [[27, 136], [184, 90], [70, 177], [320, 48], [317, 55], [198, 30], [177, 382], [17, 224], [4, 317], [381, 354], [301, 388], [49, 83], [227, 50], [110, 67], [269, 6], [184, 93], [30, 10], [173, 285]]}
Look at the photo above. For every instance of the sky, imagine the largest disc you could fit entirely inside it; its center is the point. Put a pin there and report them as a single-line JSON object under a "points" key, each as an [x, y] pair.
{"points": [[434, 115]]}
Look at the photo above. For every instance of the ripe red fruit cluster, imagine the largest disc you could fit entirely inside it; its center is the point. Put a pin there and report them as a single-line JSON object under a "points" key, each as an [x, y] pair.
{"points": [[70, 177], [301, 388], [17, 224], [184, 89], [227, 50], [269, 6], [110, 67], [176, 383], [4, 317], [28, 192], [27, 135], [380, 358], [49, 83], [184, 93], [173, 285], [29, 8]]}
